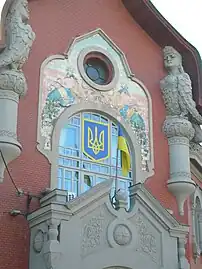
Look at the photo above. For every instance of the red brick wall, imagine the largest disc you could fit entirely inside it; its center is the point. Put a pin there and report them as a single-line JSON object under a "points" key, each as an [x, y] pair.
{"points": [[56, 23]]}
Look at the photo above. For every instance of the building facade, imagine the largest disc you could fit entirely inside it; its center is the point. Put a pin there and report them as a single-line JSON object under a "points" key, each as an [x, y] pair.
{"points": [[72, 75]]}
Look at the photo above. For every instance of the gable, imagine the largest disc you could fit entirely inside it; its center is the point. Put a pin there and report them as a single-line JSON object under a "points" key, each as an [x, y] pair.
{"points": [[93, 234]]}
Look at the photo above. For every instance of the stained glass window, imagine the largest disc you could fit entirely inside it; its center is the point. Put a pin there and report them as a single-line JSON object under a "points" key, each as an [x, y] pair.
{"points": [[76, 172]]}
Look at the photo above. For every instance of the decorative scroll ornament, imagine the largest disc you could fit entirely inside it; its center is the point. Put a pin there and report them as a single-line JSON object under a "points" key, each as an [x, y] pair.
{"points": [[38, 241], [92, 234], [148, 243]]}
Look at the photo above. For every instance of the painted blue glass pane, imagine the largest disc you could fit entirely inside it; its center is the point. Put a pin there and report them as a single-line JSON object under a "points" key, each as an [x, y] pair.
{"points": [[75, 153], [95, 168], [113, 161], [113, 171], [104, 169], [114, 130], [87, 115], [59, 185], [60, 172], [61, 151], [60, 161], [107, 161], [123, 185], [67, 174], [76, 176], [67, 162], [104, 120], [95, 117], [67, 152], [75, 183], [69, 137], [68, 185], [76, 121], [114, 146], [86, 166], [76, 164]]}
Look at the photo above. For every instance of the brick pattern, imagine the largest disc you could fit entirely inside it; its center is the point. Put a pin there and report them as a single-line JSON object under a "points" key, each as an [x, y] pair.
{"points": [[56, 23]]}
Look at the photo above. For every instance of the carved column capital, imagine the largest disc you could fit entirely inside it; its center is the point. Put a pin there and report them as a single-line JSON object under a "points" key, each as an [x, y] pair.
{"points": [[178, 127], [13, 80]]}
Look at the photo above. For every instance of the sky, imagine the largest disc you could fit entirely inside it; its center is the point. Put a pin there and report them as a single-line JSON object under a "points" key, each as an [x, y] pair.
{"points": [[185, 17]]}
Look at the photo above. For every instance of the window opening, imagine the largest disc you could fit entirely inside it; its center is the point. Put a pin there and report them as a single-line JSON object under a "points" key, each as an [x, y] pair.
{"points": [[77, 172], [98, 68]]}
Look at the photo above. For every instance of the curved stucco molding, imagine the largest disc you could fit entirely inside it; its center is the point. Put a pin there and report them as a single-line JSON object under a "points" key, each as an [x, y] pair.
{"points": [[51, 72], [196, 211]]}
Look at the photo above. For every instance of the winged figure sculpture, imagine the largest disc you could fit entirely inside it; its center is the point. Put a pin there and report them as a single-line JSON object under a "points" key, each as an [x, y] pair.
{"points": [[176, 88], [19, 36]]}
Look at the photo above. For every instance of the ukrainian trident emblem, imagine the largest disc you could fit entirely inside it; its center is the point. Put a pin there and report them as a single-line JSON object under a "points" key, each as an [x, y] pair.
{"points": [[96, 140]]}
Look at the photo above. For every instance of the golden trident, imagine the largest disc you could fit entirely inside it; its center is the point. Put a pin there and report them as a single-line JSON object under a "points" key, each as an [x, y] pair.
{"points": [[94, 143]]}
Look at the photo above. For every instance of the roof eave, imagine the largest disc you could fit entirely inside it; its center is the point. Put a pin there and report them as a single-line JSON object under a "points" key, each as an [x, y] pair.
{"points": [[162, 32]]}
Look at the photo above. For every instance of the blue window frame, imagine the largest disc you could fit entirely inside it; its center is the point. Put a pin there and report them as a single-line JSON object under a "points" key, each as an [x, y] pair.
{"points": [[76, 172]]}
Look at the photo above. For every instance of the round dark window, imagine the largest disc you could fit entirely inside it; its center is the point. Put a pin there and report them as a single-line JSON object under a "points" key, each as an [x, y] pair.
{"points": [[98, 68]]}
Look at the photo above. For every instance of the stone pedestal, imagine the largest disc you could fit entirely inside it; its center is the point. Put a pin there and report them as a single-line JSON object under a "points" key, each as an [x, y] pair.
{"points": [[12, 86], [179, 132]]}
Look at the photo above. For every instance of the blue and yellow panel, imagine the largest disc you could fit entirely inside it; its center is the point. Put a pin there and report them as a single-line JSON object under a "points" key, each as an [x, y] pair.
{"points": [[96, 140]]}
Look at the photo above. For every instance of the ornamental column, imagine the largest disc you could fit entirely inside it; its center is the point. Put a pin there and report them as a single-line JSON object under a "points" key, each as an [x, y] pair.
{"points": [[19, 38], [179, 132], [181, 125]]}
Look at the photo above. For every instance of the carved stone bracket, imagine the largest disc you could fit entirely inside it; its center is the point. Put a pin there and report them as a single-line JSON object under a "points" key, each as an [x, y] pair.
{"points": [[179, 132]]}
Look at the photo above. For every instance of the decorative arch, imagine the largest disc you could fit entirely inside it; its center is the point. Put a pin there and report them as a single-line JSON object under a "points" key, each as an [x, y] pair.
{"points": [[125, 95], [138, 175], [197, 222], [65, 90]]}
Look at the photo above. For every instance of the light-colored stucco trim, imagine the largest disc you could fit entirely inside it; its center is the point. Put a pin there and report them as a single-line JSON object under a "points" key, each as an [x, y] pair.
{"points": [[40, 140], [50, 154]]}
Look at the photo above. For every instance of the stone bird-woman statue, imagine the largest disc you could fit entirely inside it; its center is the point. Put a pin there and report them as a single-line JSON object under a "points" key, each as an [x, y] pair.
{"points": [[176, 89]]}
